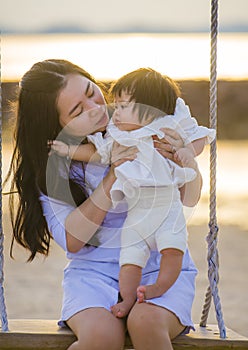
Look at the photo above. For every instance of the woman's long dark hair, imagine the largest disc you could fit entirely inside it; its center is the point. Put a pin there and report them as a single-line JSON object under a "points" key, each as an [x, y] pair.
{"points": [[37, 122]]}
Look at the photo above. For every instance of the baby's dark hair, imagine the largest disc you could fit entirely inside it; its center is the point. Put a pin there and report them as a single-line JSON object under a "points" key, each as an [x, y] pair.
{"points": [[153, 92]]}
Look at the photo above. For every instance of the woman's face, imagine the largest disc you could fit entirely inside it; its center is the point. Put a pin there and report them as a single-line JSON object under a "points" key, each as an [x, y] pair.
{"points": [[81, 106]]}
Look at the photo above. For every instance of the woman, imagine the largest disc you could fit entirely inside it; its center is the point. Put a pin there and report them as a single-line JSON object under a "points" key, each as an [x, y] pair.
{"points": [[70, 202]]}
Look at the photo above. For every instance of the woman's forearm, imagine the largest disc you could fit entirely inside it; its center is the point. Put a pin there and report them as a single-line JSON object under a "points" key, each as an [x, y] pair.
{"points": [[82, 223]]}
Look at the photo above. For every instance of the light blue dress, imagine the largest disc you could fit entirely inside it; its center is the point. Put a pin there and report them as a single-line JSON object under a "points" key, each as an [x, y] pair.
{"points": [[91, 276]]}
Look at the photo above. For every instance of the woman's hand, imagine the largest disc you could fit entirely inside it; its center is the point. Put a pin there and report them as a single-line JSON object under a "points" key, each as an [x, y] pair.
{"points": [[171, 143], [172, 147], [120, 154]]}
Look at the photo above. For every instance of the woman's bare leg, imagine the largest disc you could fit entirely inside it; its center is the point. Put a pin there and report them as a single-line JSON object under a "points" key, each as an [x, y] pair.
{"points": [[152, 327], [97, 329]]}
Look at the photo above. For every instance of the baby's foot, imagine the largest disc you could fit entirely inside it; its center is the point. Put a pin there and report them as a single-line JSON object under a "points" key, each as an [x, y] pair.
{"points": [[121, 309], [141, 294], [149, 292]]}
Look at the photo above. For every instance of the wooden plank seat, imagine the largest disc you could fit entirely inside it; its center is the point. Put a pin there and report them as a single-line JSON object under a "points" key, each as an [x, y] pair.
{"points": [[26, 334]]}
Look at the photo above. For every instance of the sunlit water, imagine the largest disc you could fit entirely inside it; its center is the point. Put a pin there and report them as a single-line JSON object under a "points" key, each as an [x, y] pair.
{"points": [[108, 56]]}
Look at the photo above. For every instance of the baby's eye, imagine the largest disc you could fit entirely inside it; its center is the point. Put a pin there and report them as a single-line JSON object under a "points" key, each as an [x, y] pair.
{"points": [[125, 105], [121, 105], [118, 106]]}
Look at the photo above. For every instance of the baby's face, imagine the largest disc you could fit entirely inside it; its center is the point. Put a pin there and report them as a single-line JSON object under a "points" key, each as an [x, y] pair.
{"points": [[125, 116]]}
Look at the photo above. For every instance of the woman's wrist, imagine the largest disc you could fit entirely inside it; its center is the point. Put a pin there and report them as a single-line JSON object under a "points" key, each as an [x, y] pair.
{"points": [[111, 175], [101, 196]]}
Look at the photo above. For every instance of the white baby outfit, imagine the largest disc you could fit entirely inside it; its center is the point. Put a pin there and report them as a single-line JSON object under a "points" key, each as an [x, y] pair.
{"points": [[150, 185]]}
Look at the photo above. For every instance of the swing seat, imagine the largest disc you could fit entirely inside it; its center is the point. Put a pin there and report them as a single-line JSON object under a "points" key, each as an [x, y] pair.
{"points": [[27, 334]]}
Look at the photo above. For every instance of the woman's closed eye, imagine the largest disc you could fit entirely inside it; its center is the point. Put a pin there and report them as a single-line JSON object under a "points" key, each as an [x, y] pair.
{"points": [[90, 90], [80, 108], [78, 112]]}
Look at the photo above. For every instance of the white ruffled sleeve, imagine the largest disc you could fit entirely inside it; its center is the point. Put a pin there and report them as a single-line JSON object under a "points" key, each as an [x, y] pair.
{"points": [[188, 126], [103, 146]]}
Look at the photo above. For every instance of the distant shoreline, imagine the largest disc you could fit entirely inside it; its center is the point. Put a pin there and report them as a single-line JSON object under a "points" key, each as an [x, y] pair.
{"points": [[138, 29], [232, 104]]}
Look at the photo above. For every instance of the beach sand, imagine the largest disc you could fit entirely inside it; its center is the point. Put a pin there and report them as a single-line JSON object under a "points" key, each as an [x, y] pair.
{"points": [[33, 290]]}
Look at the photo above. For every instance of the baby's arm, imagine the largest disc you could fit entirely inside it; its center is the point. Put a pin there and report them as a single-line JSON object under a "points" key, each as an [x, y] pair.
{"points": [[184, 155], [85, 153], [197, 146]]}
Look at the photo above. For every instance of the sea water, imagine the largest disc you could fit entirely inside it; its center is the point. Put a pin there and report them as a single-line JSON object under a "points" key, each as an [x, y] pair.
{"points": [[108, 56]]}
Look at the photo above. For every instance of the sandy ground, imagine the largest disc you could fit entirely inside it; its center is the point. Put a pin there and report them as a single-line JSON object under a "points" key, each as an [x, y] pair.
{"points": [[33, 290]]}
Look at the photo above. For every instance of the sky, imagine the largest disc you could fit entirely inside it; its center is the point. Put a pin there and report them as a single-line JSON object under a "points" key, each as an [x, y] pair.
{"points": [[104, 15]]}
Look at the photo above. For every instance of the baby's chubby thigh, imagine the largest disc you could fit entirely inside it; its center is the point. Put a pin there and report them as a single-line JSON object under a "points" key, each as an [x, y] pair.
{"points": [[135, 245], [142, 222]]}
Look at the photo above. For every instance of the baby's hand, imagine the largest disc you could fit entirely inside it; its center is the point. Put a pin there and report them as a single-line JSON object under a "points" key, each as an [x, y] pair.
{"points": [[59, 147], [185, 157]]}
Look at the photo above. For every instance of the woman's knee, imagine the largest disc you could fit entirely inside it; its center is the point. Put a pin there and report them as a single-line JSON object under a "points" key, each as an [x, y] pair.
{"points": [[142, 319], [147, 328], [150, 320], [97, 328]]}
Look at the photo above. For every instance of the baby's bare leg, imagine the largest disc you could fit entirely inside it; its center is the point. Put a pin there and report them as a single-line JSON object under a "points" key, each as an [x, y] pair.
{"points": [[170, 268], [129, 279]]}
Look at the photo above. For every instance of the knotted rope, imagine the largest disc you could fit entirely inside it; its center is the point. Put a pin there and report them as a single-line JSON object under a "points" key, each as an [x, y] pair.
{"points": [[213, 257], [3, 313]]}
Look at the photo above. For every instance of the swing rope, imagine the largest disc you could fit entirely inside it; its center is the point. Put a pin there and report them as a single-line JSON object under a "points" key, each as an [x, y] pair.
{"points": [[3, 312], [213, 257]]}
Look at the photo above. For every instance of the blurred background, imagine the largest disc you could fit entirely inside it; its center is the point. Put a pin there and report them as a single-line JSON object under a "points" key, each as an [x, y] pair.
{"points": [[109, 39]]}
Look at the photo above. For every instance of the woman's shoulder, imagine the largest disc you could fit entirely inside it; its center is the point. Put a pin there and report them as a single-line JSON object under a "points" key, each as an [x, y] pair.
{"points": [[53, 202]]}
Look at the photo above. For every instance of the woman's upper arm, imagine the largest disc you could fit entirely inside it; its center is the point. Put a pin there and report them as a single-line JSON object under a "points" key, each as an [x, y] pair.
{"points": [[55, 213], [73, 244]]}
